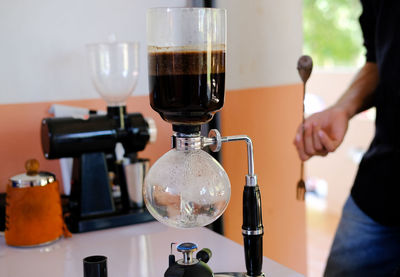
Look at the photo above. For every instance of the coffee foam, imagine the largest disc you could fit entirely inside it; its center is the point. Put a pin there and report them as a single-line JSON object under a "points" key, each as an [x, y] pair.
{"points": [[186, 62], [186, 48]]}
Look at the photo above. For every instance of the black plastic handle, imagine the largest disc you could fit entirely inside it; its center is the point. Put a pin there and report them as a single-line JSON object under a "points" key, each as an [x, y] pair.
{"points": [[253, 251], [252, 230]]}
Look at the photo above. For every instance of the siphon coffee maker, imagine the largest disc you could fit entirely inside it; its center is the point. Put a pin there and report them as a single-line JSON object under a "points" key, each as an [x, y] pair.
{"points": [[107, 177], [187, 187]]}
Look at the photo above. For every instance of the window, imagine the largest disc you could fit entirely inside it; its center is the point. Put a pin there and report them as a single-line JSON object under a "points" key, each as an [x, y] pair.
{"points": [[332, 34]]}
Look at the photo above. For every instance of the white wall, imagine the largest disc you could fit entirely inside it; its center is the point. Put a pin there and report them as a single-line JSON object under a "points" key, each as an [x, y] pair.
{"points": [[42, 44], [264, 42], [42, 49]]}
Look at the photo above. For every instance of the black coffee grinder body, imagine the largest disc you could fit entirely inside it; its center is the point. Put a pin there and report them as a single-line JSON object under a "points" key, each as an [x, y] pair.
{"points": [[92, 203]]}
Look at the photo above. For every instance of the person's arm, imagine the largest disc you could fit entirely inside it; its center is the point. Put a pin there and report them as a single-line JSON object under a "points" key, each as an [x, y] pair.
{"points": [[358, 97], [323, 132]]}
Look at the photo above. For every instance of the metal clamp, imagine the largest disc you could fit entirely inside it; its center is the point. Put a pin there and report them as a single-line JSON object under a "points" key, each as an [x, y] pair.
{"points": [[187, 142]]}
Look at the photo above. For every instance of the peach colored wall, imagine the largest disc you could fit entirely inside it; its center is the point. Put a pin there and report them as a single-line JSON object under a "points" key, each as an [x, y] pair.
{"points": [[270, 117], [20, 134]]}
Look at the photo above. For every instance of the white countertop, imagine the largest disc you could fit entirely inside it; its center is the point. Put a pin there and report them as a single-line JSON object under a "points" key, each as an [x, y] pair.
{"points": [[136, 251]]}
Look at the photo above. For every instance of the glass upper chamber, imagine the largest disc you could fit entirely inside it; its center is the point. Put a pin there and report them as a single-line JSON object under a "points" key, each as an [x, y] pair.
{"points": [[186, 63], [186, 189]]}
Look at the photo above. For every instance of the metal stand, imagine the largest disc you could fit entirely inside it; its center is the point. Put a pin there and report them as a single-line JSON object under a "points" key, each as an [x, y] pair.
{"points": [[252, 228]]}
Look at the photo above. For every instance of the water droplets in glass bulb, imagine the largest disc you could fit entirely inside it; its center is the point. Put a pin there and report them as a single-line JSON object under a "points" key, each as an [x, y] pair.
{"points": [[186, 189]]}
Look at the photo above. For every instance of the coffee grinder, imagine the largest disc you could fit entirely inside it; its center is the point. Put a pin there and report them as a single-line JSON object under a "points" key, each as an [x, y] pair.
{"points": [[186, 187], [106, 188]]}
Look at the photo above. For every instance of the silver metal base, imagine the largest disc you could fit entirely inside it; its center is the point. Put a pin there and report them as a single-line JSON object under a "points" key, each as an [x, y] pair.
{"points": [[235, 274]]}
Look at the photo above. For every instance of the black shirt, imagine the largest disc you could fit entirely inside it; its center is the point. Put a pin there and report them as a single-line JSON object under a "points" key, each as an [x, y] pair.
{"points": [[377, 185]]}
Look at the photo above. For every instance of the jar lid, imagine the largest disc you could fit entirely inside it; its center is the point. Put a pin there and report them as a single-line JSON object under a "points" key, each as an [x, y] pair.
{"points": [[32, 177]]}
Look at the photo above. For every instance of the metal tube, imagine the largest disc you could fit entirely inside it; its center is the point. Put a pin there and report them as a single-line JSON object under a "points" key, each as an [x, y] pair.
{"points": [[215, 140], [250, 155]]}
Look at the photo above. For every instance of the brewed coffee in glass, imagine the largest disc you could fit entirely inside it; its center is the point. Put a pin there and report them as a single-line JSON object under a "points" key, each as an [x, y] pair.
{"points": [[186, 59]]}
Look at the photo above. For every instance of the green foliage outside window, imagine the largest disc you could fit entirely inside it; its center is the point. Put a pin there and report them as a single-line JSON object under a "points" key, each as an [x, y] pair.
{"points": [[332, 34]]}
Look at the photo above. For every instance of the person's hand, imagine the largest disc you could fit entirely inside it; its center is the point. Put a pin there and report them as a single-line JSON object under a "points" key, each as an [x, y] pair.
{"points": [[323, 133]]}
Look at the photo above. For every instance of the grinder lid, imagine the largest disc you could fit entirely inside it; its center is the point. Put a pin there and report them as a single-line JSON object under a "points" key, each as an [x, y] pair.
{"points": [[33, 177]]}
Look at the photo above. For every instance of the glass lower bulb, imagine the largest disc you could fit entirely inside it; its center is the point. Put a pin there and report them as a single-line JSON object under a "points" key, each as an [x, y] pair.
{"points": [[186, 189]]}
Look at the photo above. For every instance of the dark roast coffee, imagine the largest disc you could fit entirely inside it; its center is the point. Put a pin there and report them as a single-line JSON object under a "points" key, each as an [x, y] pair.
{"points": [[187, 87]]}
